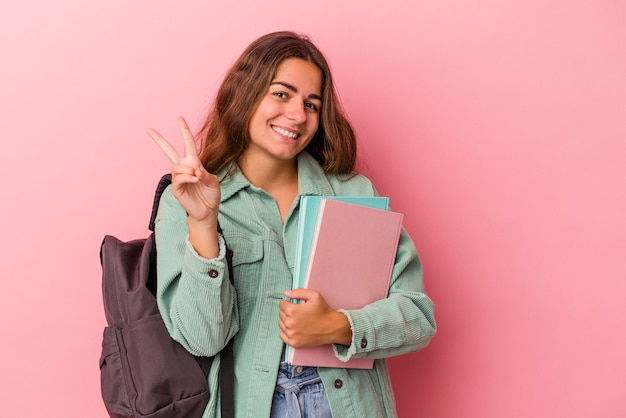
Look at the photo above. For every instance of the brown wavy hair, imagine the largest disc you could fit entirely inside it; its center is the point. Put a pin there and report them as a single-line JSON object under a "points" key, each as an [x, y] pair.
{"points": [[225, 133]]}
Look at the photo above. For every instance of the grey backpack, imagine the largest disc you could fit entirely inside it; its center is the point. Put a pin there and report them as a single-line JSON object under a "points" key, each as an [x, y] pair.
{"points": [[143, 371]]}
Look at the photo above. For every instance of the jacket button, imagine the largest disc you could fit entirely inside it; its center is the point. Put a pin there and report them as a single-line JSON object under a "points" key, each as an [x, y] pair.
{"points": [[338, 383], [364, 343], [213, 273]]}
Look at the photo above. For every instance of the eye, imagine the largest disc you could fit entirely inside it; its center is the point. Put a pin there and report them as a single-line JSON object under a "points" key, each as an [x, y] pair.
{"points": [[312, 106], [280, 94]]}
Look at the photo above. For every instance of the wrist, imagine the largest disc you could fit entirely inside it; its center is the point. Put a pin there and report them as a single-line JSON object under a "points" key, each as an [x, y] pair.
{"points": [[343, 332], [203, 236], [206, 223]]}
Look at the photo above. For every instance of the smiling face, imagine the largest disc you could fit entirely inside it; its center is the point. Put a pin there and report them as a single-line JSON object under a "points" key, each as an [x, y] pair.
{"points": [[288, 115]]}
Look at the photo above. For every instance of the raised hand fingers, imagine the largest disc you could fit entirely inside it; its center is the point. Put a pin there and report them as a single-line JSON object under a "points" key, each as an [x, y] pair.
{"points": [[169, 150], [165, 146], [190, 143], [183, 173]]}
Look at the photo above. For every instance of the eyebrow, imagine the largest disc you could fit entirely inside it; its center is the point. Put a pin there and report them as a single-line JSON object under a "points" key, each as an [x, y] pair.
{"points": [[295, 90]]}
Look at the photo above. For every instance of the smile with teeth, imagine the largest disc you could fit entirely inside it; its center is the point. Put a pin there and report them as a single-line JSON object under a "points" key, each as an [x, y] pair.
{"points": [[285, 132]]}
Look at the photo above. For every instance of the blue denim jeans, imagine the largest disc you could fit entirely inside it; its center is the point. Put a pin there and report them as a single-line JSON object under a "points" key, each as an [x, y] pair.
{"points": [[299, 392]]}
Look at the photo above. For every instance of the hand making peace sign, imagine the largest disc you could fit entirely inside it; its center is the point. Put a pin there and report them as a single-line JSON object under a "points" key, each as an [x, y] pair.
{"points": [[197, 190]]}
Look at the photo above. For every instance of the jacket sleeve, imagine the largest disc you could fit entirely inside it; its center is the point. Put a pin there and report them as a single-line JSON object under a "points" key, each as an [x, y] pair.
{"points": [[195, 296], [401, 323]]}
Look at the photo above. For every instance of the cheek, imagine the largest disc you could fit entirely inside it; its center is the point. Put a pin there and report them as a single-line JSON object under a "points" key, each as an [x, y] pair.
{"points": [[312, 128], [264, 111], [259, 119], [314, 123]]}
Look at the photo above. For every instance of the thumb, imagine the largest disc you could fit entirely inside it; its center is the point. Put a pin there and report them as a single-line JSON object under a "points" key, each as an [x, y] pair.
{"points": [[303, 294]]}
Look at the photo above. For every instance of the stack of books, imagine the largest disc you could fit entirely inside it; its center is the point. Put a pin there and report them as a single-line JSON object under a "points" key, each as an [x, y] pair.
{"points": [[346, 248]]}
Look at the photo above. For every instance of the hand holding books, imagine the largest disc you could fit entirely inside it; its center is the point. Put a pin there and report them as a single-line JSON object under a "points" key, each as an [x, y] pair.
{"points": [[323, 324]]}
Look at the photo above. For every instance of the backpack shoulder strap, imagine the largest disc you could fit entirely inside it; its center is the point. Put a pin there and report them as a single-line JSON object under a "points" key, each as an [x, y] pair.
{"points": [[165, 181]]}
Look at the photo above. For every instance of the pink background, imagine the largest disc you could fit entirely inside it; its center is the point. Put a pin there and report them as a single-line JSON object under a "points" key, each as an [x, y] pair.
{"points": [[498, 128]]}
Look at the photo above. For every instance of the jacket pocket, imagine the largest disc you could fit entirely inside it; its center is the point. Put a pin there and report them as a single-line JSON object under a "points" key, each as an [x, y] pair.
{"points": [[247, 264]]}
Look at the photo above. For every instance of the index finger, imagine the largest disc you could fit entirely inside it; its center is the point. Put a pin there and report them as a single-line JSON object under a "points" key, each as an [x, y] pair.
{"points": [[190, 143], [165, 146]]}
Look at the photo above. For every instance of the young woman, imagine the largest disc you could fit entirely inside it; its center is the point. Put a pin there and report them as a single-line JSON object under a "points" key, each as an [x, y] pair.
{"points": [[276, 132]]}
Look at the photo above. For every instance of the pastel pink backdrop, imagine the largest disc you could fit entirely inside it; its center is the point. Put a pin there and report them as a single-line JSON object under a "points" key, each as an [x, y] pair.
{"points": [[498, 128]]}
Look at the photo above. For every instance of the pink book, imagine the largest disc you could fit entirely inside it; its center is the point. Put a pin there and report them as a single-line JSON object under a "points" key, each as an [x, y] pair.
{"points": [[351, 261]]}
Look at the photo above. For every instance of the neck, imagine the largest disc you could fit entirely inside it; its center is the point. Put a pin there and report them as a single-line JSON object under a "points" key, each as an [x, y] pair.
{"points": [[269, 174]]}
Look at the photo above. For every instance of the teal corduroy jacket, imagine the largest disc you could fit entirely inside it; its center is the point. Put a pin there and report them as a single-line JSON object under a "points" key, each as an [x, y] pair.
{"points": [[203, 311]]}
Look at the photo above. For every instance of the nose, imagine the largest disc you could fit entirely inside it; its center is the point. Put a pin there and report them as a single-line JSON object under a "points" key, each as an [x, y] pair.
{"points": [[296, 111]]}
